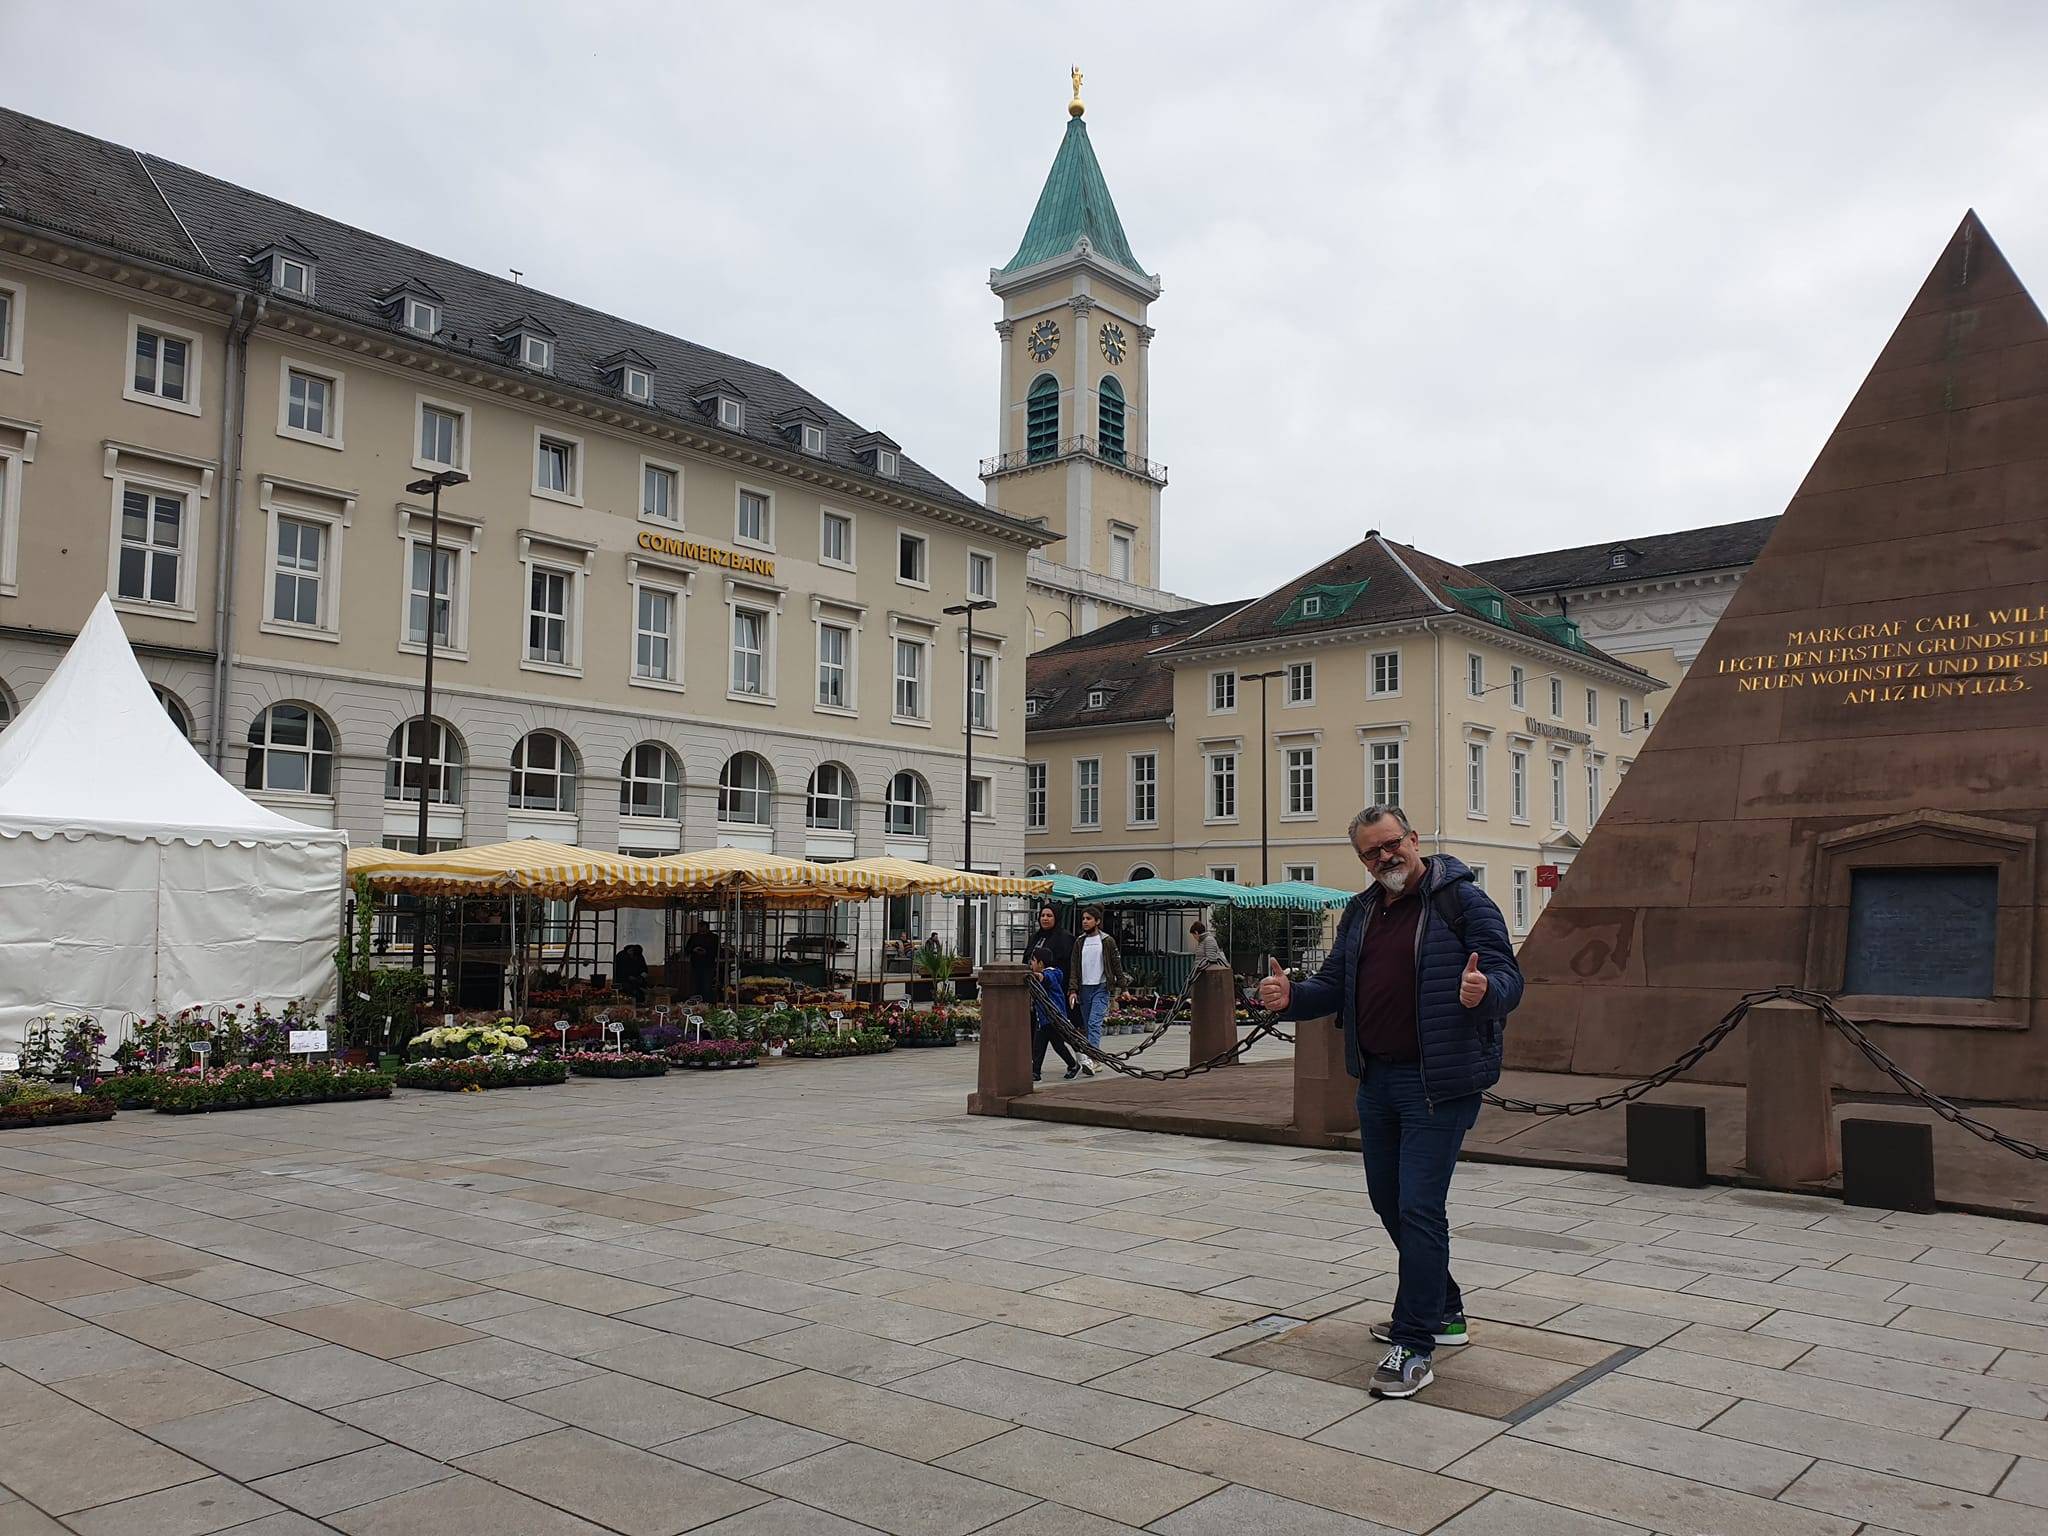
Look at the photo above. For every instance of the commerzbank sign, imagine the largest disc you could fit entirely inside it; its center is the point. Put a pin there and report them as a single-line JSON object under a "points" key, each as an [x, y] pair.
{"points": [[708, 554]]}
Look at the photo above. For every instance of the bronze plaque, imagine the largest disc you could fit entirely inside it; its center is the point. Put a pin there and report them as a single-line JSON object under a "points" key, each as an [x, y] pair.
{"points": [[1922, 932]]}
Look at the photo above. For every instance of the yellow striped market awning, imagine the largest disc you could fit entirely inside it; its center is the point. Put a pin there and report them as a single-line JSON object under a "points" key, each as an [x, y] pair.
{"points": [[891, 876]]}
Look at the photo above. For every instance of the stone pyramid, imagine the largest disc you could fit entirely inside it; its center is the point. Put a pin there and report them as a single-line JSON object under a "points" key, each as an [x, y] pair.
{"points": [[1848, 789]]}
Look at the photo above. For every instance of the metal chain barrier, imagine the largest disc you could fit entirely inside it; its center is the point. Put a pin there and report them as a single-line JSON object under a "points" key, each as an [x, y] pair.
{"points": [[1056, 1010]]}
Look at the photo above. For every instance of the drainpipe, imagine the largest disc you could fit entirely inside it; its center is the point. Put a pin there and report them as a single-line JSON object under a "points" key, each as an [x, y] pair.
{"points": [[234, 401], [1436, 711]]}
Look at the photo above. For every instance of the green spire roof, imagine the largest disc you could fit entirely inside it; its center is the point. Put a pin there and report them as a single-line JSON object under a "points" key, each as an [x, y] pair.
{"points": [[1075, 204]]}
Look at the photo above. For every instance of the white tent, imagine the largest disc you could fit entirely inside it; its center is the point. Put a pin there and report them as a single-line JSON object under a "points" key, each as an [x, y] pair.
{"points": [[133, 877]]}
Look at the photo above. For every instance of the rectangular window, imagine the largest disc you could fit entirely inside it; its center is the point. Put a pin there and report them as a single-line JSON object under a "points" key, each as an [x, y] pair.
{"points": [[1301, 781], [1475, 778], [294, 276], [1557, 805], [418, 595], [537, 353], [7, 329], [152, 546], [440, 436], [309, 403], [1625, 711], [660, 493], [1144, 788], [910, 551], [1222, 786], [422, 317], [163, 366], [1475, 674], [1479, 875], [1227, 873], [1088, 792], [654, 635], [1518, 784], [1518, 687], [1386, 674], [835, 539], [909, 680], [295, 577], [1386, 772], [1520, 882], [1593, 706], [555, 466], [1557, 698], [1304, 873], [639, 383], [1592, 794], [753, 525], [1034, 797], [1222, 692], [981, 692], [981, 575], [980, 795], [749, 649], [547, 617], [1120, 556], [1301, 682], [835, 646]]}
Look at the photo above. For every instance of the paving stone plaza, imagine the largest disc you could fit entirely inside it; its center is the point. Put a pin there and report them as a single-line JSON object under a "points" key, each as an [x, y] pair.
{"points": [[817, 1298]]}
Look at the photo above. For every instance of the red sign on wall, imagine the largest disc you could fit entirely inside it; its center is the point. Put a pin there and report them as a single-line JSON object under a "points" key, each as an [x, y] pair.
{"points": [[1547, 875]]}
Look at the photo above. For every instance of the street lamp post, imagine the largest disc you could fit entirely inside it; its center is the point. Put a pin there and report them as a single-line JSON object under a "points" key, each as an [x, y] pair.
{"points": [[970, 609], [1265, 771], [431, 488]]}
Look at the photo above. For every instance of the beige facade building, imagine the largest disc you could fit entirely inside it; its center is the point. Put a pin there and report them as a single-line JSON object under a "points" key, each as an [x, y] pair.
{"points": [[1237, 741], [1074, 433], [679, 602]]}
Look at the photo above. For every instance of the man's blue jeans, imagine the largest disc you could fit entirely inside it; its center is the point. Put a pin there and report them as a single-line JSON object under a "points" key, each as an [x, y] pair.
{"points": [[1411, 1150], [1093, 1010]]}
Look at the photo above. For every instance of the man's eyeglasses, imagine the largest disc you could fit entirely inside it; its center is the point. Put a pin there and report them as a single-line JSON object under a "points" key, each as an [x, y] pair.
{"points": [[1380, 851]]}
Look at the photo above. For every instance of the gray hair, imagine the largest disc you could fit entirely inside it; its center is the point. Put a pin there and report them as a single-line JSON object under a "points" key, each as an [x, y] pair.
{"points": [[1373, 813]]}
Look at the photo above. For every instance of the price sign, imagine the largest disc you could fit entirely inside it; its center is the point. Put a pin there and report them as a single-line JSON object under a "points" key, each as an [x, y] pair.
{"points": [[1546, 875], [308, 1042]]}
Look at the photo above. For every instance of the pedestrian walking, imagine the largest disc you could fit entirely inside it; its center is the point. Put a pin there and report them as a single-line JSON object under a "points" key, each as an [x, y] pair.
{"points": [[1208, 953], [1421, 978], [1098, 969], [1048, 1013], [1052, 941]]}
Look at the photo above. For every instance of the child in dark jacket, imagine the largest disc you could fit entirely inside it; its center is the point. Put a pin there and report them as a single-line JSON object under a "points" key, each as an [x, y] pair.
{"points": [[1044, 1021]]}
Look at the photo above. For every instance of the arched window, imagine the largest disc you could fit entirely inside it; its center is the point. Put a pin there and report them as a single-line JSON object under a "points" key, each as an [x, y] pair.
{"points": [[650, 783], [179, 716], [745, 787], [1085, 872], [1109, 419], [1042, 418], [907, 808], [543, 773], [291, 748], [1034, 873], [828, 799], [424, 757], [1142, 872]]}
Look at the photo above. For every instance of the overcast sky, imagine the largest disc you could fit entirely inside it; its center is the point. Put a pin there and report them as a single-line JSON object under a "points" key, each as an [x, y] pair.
{"points": [[1489, 277]]}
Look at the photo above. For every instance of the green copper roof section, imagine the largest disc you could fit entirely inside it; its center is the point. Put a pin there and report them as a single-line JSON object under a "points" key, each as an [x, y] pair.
{"points": [[1075, 204], [1319, 601]]}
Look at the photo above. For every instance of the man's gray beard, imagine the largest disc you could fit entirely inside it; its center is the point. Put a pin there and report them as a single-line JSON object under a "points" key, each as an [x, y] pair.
{"points": [[1395, 881]]}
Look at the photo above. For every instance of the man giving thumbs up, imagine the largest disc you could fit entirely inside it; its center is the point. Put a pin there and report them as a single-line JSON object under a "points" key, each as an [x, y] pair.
{"points": [[1421, 978]]}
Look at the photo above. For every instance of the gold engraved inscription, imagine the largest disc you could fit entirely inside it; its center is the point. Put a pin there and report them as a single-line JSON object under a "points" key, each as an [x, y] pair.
{"points": [[1904, 661]]}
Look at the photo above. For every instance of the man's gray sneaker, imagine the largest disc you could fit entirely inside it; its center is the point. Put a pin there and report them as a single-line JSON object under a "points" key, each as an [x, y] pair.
{"points": [[1450, 1333], [1402, 1374]]}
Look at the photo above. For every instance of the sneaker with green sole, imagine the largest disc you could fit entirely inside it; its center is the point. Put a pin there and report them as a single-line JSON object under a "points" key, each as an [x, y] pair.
{"points": [[1450, 1333], [1403, 1373]]}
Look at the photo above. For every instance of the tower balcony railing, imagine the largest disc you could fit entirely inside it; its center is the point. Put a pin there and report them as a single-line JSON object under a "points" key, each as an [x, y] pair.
{"points": [[1073, 448]]}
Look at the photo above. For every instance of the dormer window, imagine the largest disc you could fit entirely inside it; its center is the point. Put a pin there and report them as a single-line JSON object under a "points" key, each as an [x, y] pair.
{"points": [[732, 414], [1097, 698], [412, 306], [531, 343], [724, 402], [638, 384], [813, 439], [885, 462], [1031, 709], [537, 353], [1312, 606], [630, 373], [422, 318], [878, 450], [290, 275], [1621, 557]]}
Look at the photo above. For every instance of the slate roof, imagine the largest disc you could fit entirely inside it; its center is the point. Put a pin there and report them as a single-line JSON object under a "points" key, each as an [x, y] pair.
{"points": [[1651, 555], [88, 188], [1119, 658], [1400, 583], [1074, 203]]}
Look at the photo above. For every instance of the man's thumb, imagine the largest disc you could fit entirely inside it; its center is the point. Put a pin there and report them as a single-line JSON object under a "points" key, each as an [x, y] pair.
{"points": [[1273, 967], [1472, 965]]}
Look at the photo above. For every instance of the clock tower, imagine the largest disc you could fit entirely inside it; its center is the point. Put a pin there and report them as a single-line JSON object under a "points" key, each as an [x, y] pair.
{"points": [[1074, 433]]}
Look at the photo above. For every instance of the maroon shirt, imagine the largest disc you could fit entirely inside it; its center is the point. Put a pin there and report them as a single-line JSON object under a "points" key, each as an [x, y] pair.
{"points": [[1386, 980]]}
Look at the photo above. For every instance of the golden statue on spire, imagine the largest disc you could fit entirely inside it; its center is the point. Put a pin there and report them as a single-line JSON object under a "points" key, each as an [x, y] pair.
{"points": [[1074, 107]]}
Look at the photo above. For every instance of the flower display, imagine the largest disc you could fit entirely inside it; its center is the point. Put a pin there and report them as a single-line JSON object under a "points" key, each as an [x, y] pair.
{"points": [[457, 1075], [503, 1038], [702, 1054], [261, 1086], [624, 1064]]}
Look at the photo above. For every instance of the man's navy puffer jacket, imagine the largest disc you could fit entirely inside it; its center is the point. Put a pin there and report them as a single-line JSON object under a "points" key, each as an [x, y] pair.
{"points": [[1461, 1047]]}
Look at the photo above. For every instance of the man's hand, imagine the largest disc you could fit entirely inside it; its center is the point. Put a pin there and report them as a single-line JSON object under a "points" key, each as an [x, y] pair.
{"points": [[1073, 1000], [1275, 990], [1472, 985]]}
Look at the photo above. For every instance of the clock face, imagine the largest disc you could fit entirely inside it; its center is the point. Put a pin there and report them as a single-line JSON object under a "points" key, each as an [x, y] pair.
{"points": [[1044, 340], [1113, 344]]}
